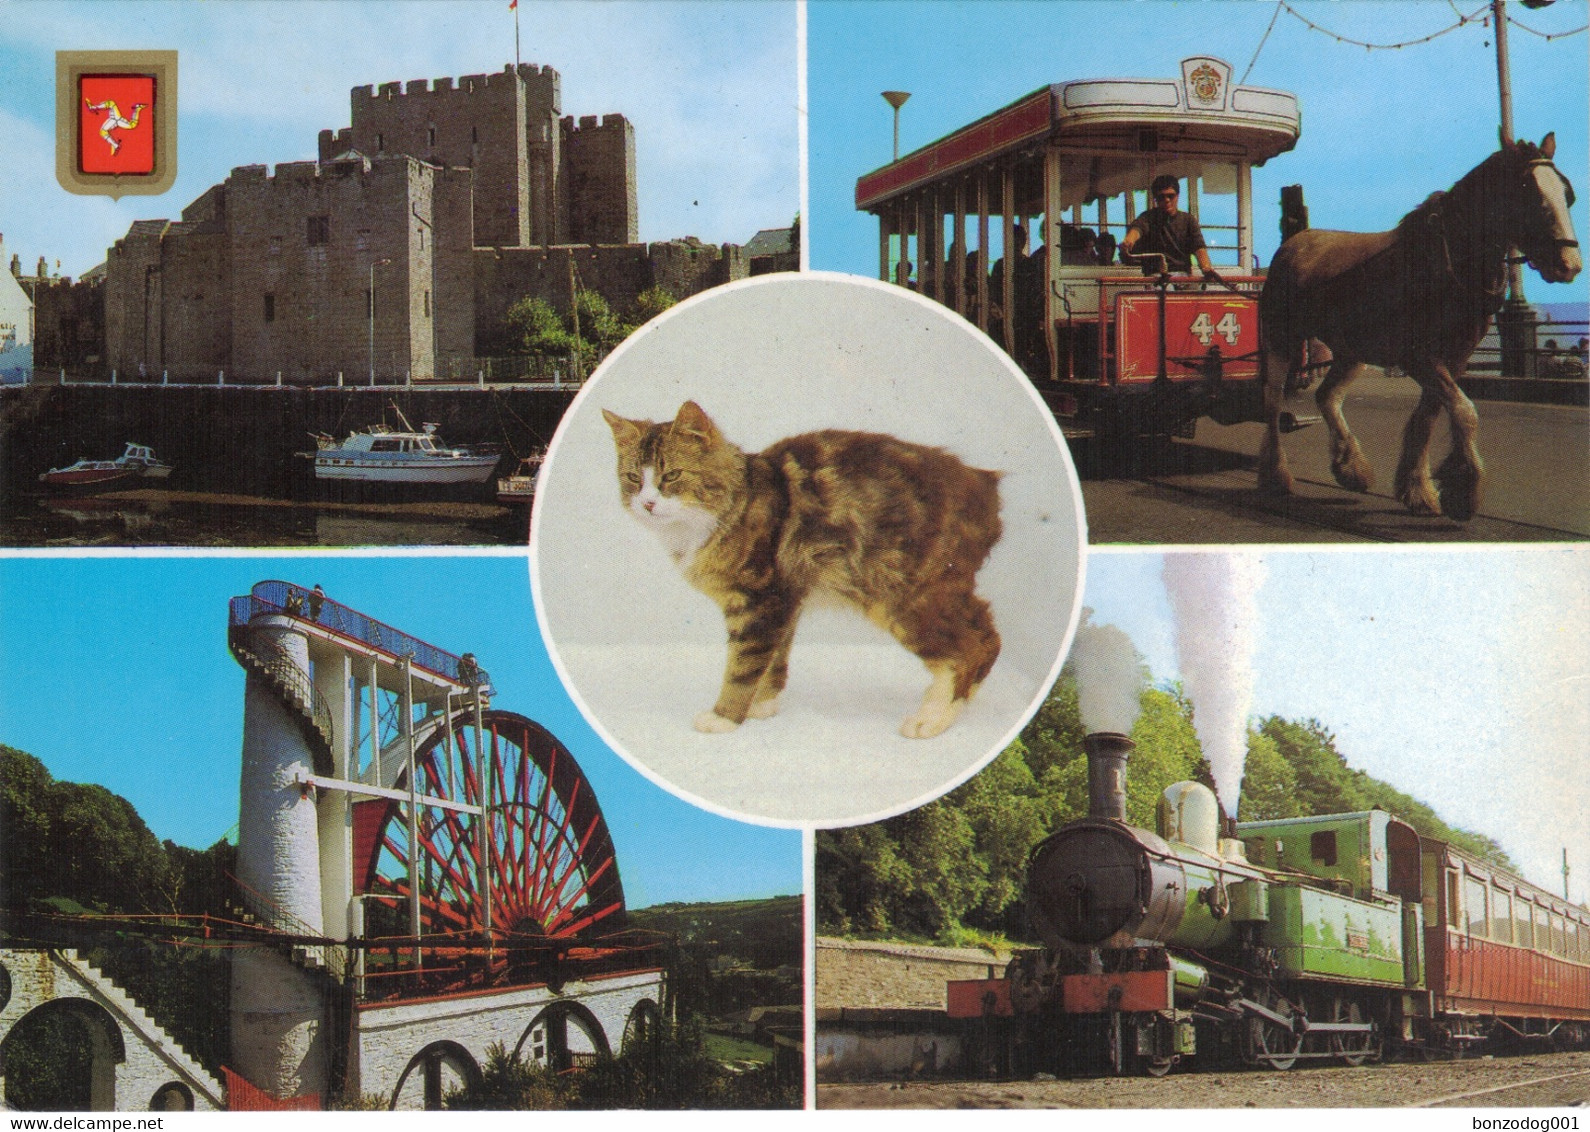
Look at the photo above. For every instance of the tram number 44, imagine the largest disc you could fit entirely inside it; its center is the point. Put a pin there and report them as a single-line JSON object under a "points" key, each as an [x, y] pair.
{"points": [[1204, 330]]}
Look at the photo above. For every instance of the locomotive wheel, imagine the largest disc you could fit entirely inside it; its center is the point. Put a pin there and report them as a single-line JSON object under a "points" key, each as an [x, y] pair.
{"points": [[1353, 1049], [1270, 1044], [1157, 1066]]}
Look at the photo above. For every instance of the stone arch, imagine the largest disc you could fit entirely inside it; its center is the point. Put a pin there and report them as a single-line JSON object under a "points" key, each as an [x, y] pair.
{"points": [[548, 1039], [432, 1066], [105, 1050], [173, 1096], [643, 1025]]}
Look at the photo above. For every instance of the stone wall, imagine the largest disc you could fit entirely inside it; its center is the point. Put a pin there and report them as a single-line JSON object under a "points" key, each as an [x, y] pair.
{"points": [[133, 1058], [302, 246], [600, 180], [894, 976], [388, 1037]]}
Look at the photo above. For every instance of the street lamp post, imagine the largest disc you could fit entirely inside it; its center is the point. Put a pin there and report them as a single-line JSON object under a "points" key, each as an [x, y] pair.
{"points": [[375, 263], [1515, 323], [896, 99]]}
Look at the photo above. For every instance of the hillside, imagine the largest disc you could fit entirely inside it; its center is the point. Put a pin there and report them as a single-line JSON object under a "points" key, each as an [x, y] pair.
{"points": [[954, 870]]}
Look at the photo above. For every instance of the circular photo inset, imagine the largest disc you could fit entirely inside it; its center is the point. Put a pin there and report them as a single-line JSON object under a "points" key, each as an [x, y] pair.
{"points": [[807, 550]]}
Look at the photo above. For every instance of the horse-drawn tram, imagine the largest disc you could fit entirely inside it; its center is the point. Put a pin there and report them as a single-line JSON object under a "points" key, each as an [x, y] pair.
{"points": [[1117, 345]]}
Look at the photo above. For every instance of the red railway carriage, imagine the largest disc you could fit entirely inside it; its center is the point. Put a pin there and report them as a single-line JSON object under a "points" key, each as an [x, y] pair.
{"points": [[1502, 956], [1073, 163]]}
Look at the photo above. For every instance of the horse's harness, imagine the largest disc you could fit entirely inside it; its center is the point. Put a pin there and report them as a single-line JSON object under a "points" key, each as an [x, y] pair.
{"points": [[1495, 289]]}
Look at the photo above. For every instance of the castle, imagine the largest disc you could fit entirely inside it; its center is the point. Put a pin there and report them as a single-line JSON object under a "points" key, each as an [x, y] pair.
{"points": [[399, 251]]}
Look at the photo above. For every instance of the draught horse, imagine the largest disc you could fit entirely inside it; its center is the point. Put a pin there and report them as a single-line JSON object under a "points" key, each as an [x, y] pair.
{"points": [[1419, 297]]}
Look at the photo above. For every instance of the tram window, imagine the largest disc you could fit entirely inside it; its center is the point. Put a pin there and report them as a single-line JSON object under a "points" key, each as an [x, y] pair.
{"points": [[1502, 915], [1557, 942], [1474, 904], [1524, 934], [1454, 900], [1542, 928], [1322, 847]]}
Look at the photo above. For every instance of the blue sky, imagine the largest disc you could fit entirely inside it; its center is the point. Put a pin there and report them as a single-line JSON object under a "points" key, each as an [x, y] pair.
{"points": [[710, 88], [1461, 676], [1381, 129], [116, 671]]}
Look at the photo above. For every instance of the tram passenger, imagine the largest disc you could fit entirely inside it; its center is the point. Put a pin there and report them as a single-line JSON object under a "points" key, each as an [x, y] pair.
{"points": [[1078, 246], [1166, 230]]}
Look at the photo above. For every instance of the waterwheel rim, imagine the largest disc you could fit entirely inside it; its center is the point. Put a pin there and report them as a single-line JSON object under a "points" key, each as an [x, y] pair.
{"points": [[533, 875]]}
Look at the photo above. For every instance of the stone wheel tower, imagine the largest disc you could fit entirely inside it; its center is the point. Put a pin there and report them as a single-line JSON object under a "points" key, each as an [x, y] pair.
{"points": [[400, 836]]}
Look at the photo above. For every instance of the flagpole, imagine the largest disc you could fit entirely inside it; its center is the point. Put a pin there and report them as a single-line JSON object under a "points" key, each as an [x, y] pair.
{"points": [[515, 7]]}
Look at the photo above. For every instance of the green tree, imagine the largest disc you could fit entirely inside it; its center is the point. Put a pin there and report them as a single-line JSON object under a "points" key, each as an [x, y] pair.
{"points": [[1269, 784], [652, 302], [1007, 817], [535, 328]]}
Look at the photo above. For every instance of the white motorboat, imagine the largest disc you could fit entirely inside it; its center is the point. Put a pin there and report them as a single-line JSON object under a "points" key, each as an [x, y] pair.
{"points": [[141, 459], [381, 454]]}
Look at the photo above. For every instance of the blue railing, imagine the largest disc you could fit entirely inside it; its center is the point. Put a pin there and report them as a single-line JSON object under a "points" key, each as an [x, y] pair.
{"points": [[312, 606]]}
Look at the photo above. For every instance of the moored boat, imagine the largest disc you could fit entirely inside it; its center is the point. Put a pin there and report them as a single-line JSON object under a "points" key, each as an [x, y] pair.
{"points": [[520, 486], [88, 474], [382, 454], [141, 458]]}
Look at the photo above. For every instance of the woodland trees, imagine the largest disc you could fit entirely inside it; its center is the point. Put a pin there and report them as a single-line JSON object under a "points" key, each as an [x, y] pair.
{"points": [[954, 869]]}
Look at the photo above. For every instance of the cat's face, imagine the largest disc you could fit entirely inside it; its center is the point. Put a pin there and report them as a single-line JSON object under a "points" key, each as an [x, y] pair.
{"points": [[675, 477]]}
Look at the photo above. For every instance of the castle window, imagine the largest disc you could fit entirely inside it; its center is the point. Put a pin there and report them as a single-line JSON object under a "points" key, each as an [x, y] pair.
{"points": [[427, 304], [319, 231], [430, 136], [380, 143], [270, 308]]}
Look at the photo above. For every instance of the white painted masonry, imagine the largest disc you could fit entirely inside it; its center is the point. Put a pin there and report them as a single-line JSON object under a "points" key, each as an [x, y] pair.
{"points": [[133, 1057]]}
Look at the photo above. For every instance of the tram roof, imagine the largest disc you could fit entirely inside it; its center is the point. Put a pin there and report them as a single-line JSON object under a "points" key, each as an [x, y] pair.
{"points": [[1198, 115]]}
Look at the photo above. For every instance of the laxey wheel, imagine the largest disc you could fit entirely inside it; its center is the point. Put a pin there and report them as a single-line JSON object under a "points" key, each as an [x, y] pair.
{"points": [[542, 851]]}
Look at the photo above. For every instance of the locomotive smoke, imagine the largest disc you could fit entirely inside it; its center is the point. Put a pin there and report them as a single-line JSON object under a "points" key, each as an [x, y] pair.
{"points": [[1213, 597], [1109, 678]]}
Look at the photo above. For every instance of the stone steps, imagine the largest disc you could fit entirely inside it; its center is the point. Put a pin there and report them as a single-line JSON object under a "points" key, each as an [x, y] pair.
{"points": [[140, 1020]]}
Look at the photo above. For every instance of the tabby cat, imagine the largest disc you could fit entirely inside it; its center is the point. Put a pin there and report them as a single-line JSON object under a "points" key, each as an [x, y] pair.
{"points": [[898, 529]]}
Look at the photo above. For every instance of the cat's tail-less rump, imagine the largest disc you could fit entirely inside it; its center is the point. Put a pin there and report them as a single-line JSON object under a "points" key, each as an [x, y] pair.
{"points": [[952, 630]]}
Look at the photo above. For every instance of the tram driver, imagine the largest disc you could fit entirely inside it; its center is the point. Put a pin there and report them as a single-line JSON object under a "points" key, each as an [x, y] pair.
{"points": [[1166, 230]]}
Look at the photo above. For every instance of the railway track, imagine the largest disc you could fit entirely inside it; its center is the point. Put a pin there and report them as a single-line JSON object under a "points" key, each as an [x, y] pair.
{"points": [[1523, 1081]]}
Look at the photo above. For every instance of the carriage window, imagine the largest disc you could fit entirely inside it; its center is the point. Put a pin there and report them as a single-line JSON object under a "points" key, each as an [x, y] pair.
{"points": [[1474, 904], [1454, 900], [1557, 942], [1321, 846], [1502, 915], [1524, 928], [1542, 928]]}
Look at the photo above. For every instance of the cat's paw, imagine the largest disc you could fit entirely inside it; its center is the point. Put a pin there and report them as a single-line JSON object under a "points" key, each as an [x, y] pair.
{"points": [[714, 724], [763, 709], [931, 719]]}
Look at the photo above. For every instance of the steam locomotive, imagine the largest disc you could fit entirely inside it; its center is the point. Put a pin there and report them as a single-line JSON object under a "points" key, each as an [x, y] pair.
{"points": [[1344, 937]]}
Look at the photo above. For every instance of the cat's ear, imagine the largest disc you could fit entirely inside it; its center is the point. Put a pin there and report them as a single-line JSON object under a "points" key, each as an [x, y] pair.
{"points": [[692, 420], [625, 432]]}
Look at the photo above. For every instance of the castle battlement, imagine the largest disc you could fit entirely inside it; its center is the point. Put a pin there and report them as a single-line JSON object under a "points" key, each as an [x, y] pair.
{"points": [[541, 78], [597, 122]]}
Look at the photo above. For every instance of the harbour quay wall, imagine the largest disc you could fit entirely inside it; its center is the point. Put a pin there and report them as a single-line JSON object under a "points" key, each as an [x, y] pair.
{"points": [[243, 439]]}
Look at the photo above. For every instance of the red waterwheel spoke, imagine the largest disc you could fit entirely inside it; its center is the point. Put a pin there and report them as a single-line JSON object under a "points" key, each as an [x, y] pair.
{"points": [[543, 843]]}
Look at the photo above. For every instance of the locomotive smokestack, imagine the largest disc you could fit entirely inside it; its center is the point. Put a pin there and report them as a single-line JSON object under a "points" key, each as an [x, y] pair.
{"points": [[1107, 754]]}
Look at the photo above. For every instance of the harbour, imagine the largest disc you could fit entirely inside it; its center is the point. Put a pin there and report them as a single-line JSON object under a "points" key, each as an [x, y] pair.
{"points": [[237, 477]]}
